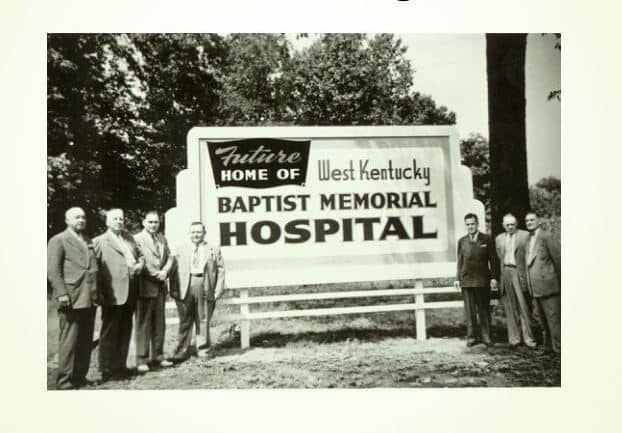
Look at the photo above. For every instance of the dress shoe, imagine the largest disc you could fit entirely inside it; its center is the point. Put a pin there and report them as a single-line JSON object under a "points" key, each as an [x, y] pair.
{"points": [[106, 376], [81, 383], [142, 368], [176, 359], [206, 353], [123, 373], [165, 364]]}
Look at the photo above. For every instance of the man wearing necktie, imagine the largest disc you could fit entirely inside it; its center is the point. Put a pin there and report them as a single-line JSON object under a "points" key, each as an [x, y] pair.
{"points": [[120, 264], [72, 272], [196, 284], [150, 305], [513, 288], [543, 259], [476, 276]]}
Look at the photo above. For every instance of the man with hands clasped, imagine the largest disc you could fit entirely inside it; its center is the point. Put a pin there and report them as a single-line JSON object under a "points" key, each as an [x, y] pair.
{"points": [[120, 265], [150, 305]]}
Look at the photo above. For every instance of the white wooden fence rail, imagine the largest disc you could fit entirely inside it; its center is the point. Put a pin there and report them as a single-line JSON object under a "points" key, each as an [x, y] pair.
{"points": [[245, 316]]}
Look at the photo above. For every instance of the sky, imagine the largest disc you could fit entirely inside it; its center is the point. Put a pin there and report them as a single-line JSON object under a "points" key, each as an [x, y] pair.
{"points": [[451, 68]]}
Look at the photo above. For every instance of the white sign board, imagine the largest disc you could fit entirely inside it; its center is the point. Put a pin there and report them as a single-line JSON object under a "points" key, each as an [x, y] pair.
{"points": [[304, 205]]}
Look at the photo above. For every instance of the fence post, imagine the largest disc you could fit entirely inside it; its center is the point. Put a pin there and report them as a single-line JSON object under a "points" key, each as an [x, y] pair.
{"points": [[420, 312], [245, 325]]}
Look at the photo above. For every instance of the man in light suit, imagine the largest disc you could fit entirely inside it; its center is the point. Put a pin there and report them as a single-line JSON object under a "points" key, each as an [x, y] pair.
{"points": [[198, 280], [150, 306], [543, 256], [72, 272], [476, 275], [513, 289], [120, 264]]}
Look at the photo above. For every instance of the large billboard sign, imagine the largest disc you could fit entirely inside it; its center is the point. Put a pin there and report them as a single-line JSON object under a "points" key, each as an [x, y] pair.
{"points": [[303, 205]]}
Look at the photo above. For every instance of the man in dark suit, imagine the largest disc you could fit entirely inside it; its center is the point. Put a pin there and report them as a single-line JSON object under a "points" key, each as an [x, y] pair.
{"points": [[120, 265], [150, 306], [477, 274], [72, 272], [543, 257], [513, 288], [196, 284]]}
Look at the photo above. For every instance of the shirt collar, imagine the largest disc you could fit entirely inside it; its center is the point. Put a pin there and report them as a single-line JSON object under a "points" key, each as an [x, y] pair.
{"points": [[154, 236]]}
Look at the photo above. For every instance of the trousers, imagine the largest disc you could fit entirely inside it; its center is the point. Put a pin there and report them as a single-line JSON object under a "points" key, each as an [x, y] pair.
{"points": [[115, 335], [192, 309], [75, 341], [517, 306], [477, 313], [549, 312], [150, 328]]}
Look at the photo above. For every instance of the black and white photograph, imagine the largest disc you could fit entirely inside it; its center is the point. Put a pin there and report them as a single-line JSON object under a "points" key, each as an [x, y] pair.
{"points": [[321, 210], [328, 216]]}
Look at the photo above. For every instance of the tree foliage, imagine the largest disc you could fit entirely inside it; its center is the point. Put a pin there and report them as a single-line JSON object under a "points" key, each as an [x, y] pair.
{"points": [[349, 79], [556, 94], [546, 197], [475, 155], [120, 106]]}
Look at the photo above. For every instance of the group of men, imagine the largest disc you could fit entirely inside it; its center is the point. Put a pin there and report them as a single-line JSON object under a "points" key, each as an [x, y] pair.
{"points": [[129, 277], [525, 267]]}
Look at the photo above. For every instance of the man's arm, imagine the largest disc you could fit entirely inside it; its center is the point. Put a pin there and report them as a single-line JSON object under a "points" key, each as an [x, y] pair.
{"points": [[493, 259], [458, 265], [148, 269], [56, 256], [168, 266], [554, 249], [220, 282], [140, 258]]}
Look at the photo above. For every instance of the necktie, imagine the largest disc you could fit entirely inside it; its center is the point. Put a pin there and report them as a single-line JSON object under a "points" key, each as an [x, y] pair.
{"points": [[156, 245], [509, 250], [195, 257]]}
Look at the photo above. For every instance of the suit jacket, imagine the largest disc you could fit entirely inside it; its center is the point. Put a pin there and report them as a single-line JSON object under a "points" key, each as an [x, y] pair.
{"points": [[114, 274], [544, 265], [150, 286], [477, 261], [72, 269], [522, 237], [213, 271]]}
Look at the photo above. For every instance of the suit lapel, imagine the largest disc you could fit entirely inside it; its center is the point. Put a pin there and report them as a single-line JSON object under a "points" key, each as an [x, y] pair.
{"points": [[147, 240], [504, 240], [113, 243], [82, 247], [533, 252]]}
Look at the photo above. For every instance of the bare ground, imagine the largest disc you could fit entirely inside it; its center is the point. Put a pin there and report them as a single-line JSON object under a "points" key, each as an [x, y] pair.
{"points": [[378, 350]]}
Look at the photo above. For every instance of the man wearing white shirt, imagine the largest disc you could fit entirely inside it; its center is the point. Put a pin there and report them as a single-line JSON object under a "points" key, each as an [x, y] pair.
{"points": [[543, 259], [513, 288], [150, 305], [197, 282], [120, 265]]}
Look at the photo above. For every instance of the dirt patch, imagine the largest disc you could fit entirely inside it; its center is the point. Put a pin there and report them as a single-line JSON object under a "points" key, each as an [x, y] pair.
{"points": [[360, 352]]}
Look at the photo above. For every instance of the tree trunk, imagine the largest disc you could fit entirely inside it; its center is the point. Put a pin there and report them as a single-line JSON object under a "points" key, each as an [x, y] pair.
{"points": [[505, 61]]}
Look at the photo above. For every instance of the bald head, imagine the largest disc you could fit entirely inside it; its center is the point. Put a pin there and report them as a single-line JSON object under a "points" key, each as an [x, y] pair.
{"points": [[115, 220], [75, 218]]}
